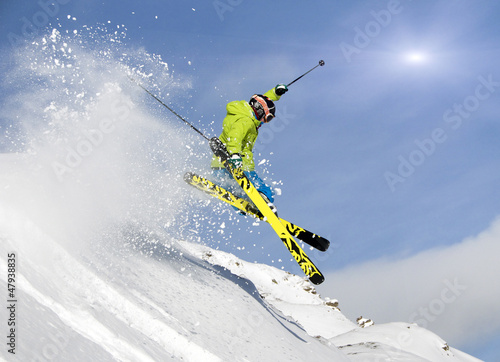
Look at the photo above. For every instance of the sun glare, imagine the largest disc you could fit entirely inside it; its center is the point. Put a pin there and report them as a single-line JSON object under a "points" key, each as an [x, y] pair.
{"points": [[416, 57]]}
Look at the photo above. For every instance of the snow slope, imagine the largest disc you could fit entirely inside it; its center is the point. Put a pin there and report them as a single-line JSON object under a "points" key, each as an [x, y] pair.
{"points": [[95, 210], [183, 301], [137, 308], [177, 303]]}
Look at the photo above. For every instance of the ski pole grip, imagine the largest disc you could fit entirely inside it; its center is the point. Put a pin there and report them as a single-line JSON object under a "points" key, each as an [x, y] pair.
{"points": [[218, 148]]}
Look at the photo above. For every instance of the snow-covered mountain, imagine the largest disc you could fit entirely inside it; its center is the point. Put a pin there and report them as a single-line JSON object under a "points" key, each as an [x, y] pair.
{"points": [[176, 300], [93, 213]]}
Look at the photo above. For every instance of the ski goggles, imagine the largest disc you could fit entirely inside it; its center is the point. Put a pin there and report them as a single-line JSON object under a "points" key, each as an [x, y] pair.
{"points": [[268, 118]]}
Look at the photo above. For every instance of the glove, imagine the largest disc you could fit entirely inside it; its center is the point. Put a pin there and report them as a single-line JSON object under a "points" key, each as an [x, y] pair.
{"points": [[235, 160], [280, 89], [260, 185]]}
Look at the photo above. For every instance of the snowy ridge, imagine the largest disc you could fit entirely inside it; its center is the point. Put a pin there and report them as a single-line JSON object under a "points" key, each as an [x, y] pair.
{"points": [[292, 295], [296, 298], [397, 342]]}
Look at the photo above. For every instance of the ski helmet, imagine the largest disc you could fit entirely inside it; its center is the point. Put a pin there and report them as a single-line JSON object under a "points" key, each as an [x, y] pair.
{"points": [[263, 107]]}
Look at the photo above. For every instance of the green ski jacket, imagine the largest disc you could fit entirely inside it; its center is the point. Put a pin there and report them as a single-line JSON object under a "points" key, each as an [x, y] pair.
{"points": [[240, 130]]}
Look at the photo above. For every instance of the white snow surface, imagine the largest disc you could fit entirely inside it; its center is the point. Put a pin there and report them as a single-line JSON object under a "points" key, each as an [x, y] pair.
{"points": [[186, 302], [108, 264], [182, 306]]}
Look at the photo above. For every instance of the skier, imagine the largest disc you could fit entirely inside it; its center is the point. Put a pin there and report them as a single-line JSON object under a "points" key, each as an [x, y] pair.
{"points": [[240, 129]]}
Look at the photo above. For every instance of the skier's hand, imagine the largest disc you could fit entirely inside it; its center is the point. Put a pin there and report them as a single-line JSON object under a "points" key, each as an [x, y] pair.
{"points": [[235, 160], [280, 89]]}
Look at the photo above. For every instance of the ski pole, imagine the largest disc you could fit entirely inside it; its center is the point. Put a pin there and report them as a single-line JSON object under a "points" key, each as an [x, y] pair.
{"points": [[215, 143], [170, 109], [321, 63]]}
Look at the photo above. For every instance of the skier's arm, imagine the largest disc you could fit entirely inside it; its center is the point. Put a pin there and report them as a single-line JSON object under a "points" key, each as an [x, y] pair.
{"points": [[271, 94], [276, 93]]}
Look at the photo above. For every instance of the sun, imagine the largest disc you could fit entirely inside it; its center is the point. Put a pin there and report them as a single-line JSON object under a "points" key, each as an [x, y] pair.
{"points": [[416, 57]]}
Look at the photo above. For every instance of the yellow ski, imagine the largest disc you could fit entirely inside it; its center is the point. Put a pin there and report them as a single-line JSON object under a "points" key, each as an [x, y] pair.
{"points": [[307, 266], [248, 208]]}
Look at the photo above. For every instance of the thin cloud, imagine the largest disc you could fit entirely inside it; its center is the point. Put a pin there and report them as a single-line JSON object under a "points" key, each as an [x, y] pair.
{"points": [[452, 291]]}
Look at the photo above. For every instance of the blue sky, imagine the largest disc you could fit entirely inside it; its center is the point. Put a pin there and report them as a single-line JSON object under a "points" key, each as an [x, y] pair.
{"points": [[390, 150]]}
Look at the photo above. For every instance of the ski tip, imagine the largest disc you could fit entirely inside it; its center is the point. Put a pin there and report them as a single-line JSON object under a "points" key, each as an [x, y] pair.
{"points": [[317, 279], [317, 242], [325, 244], [188, 176]]}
